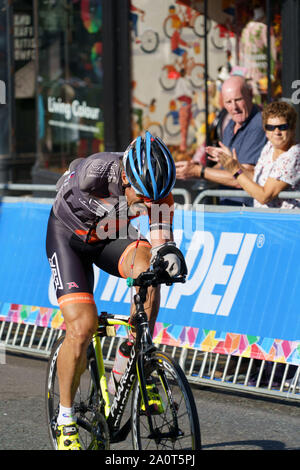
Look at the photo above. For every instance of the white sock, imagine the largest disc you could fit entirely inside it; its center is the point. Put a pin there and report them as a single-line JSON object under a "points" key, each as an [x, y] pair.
{"points": [[65, 416]]}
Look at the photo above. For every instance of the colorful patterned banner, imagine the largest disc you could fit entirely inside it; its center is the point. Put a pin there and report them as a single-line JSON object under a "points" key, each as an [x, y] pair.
{"points": [[268, 349], [32, 315]]}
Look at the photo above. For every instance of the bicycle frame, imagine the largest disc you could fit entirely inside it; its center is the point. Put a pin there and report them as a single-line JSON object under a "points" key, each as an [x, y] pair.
{"points": [[134, 370]]}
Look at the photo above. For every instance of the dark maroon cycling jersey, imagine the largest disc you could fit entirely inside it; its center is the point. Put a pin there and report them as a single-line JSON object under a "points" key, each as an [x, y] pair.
{"points": [[87, 223], [91, 201], [89, 192]]}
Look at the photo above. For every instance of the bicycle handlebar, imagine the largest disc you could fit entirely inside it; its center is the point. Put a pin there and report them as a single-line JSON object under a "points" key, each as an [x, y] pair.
{"points": [[154, 276]]}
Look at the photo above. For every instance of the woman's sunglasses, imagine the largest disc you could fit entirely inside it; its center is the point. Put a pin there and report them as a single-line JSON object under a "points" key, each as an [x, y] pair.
{"points": [[281, 127]]}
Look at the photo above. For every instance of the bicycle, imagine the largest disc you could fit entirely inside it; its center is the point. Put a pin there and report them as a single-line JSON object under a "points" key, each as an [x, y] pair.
{"points": [[188, 19], [172, 424], [220, 37], [170, 73]]}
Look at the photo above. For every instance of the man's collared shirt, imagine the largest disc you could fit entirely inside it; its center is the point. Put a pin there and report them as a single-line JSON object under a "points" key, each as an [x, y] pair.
{"points": [[249, 140]]}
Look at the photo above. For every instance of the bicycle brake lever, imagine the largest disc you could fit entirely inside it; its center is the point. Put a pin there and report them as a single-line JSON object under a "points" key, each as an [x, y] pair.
{"points": [[149, 278], [159, 264]]}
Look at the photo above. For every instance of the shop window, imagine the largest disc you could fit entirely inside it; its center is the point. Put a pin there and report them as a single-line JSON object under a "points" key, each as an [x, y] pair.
{"points": [[260, 50], [24, 54], [70, 81], [168, 70], [4, 61]]}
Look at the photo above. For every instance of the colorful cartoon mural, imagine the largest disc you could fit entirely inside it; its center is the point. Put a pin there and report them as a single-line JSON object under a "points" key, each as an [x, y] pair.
{"points": [[168, 63], [168, 70]]}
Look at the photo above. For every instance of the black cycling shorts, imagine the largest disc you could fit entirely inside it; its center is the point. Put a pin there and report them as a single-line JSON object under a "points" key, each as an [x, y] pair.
{"points": [[71, 260]]}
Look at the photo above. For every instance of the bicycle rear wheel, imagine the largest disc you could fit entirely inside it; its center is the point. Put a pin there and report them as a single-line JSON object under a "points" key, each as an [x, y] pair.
{"points": [[175, 420], [92, 426]]}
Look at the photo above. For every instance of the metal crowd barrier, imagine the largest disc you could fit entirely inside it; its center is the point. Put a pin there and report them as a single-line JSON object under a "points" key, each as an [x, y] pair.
{"points": [[201, 368], [27, 187], [180, 192], [238, 193]]}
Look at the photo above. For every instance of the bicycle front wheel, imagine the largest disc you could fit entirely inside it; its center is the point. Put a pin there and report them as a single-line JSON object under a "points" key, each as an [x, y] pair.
{"points": [[175, 423], [92, 426]]}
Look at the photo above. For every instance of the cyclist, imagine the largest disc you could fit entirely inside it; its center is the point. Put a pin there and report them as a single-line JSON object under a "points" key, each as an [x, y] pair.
{"points": [[90, 224]]}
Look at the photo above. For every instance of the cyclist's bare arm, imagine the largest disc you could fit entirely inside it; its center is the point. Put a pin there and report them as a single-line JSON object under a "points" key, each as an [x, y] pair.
{"points": [[161, 215]]}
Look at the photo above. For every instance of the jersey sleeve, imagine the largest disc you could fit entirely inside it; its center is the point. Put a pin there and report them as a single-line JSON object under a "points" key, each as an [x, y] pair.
{"points": [[287, 167], [100, 175], [92, 177], [68, 173]]}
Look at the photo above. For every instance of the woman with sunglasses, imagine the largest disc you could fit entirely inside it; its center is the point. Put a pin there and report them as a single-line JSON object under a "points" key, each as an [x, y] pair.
{"points": [[278, 167]]}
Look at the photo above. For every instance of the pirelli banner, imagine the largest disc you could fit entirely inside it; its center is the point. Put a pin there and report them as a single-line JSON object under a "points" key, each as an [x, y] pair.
{"points": [[241, 297]]}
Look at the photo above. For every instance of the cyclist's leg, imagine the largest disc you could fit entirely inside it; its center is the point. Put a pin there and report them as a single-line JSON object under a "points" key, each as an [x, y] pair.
{"points": [[128, 258], [81, 324], [73, 276]]}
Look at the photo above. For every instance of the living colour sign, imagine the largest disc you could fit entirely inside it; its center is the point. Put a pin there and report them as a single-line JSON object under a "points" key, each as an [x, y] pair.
{"points": [[243, 279]]}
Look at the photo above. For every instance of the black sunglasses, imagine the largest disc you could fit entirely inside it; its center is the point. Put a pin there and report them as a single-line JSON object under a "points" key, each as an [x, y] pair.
{"points": [[281, 127]]}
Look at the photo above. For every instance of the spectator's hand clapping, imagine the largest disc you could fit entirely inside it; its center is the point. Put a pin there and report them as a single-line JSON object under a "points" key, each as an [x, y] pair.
{"points": [[187, 170], [225, 157]]}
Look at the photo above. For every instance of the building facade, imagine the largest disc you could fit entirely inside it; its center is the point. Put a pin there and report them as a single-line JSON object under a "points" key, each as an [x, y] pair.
{"points": [[82, 76]]}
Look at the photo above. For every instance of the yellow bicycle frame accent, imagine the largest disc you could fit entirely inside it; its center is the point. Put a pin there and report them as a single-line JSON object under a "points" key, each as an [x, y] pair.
{"points": [[100, 363]]}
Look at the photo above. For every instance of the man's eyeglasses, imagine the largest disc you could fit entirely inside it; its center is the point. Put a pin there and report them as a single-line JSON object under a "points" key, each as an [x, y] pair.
{"points": [[281, 127]]}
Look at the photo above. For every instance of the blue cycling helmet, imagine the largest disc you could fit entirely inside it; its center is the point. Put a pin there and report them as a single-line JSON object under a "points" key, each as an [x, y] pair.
{"points": [[149, 167]]}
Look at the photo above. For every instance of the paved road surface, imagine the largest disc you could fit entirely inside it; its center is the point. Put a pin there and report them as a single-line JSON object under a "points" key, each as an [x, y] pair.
{"points": [[228, 421]]}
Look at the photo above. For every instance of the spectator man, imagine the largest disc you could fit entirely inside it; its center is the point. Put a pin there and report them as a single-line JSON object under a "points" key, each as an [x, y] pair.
{"points": [[244, 133]]}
